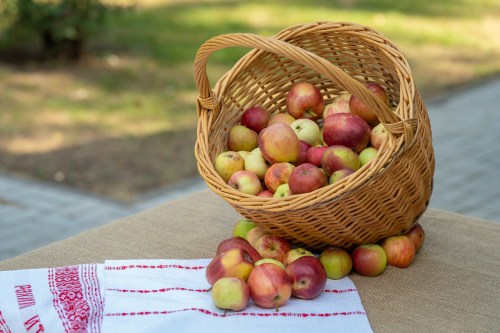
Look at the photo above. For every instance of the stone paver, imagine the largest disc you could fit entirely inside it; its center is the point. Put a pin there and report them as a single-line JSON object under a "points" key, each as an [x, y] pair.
{"points": [[466, 139]]}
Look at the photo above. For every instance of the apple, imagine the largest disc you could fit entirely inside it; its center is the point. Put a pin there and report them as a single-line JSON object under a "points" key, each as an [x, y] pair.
{"points": [[228, 163], [306, 178], [400, 251], [417, 236], [304, 100], [279, 144], [282, 191], [304, 148], [255, 118], [238, 242], [308, 277], [244, 154], [281, 118], [273, 247], [314, 155], [277, 175], [265, 194], [294, 254], [256, 163], [339, 105], [270, 286], [231, 293], [337, 158], [347, 130], [321, 130], [369, 259], [337, 262], [306, 130], [232, 263], [255, 234], [242, 228], [245, 182], [366, 155], [378, 135], [364, 112], [242, 138], [340, 174], [269, 261]]}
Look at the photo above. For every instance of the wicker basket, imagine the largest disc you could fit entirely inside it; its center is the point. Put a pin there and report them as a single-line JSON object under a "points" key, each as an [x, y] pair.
{"points": [[385, 197]]}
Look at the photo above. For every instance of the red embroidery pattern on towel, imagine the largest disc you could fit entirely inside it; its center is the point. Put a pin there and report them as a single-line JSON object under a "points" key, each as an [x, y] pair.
{"points": [[3, 326], [122, 268]]}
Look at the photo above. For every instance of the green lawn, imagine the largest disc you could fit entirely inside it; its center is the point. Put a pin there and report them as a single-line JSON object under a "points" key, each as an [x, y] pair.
{"points": [[135, 91]]}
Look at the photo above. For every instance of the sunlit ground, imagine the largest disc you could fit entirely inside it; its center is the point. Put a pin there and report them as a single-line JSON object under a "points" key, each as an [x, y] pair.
{"points": [[123, 121]]}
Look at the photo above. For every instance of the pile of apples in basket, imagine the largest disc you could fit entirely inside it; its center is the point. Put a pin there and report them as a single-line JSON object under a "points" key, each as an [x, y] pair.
{"points": [[285, 154]]}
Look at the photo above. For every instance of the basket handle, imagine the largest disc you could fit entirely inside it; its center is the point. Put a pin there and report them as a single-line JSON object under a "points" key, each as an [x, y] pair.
{"points": [[208, 99]]}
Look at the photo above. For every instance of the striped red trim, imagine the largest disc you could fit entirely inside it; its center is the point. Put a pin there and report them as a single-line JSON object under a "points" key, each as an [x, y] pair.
{"points": [[163, 290], [3, 325], [122, 268], [270, 314], [336, 291]]}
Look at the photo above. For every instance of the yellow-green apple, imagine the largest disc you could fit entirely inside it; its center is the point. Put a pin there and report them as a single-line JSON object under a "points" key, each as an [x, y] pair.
{"points": [[347, 130], [242, 228], [256, 163], [337, 262], [306, 178], [269, 261], [378, 135], [339, 105], [304, 100], [399, 250], [244, 154], [255, 234], [238, 242], [337, 158], [279, 144], [265, 194], [270, 286], [308, 277], [273, 247], [417, 236], [245, 182], [364, 112], [306, 130], [282, 191], [230, 293], [233, 263], [281, 118], [366, 155], [314, 155], [340, 174], [369, 259], [242, 138], [296, 254], [228, 163], [304, 147], [255, 118], [277, 175]]}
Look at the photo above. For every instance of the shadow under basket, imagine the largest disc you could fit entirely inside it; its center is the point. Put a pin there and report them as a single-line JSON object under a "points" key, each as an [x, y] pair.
{"points": [[385, 197]]}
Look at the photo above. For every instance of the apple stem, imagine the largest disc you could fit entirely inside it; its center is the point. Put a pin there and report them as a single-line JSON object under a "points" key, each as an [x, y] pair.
{"points": [[225, 310], [276, 300], [208, 290], [272, 118]]}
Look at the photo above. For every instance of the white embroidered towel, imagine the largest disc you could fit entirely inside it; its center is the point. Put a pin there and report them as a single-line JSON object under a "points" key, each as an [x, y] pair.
{"points": [[170, 296], [56, 300]]}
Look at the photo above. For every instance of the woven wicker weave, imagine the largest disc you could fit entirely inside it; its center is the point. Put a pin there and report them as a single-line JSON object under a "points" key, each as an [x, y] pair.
{"points": [[385, 197]]}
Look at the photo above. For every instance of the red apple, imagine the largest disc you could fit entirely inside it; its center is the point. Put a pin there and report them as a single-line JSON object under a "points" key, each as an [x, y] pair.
{"points": [[340, 174], [245, 182], [255, 234], [278, 174], [281, 118], [339, 105], [337, 262], [231, 293], [228, 163], [417, 236], [369, 259], [279, 143], [378, 135], [265, 194], [270, 286], [364, 112], [255, 118], [304, 148], [239, 243], [273, 247], [232, 263], [306, 178], [296, 254], [269, 261], [337, 158], [308, 277], [400, 251], [314, 155], [304, 100], [348, 130], [242, 138]]}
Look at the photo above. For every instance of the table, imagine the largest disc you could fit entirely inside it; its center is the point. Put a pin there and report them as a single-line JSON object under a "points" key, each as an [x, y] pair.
{"points": [[453, 285]]}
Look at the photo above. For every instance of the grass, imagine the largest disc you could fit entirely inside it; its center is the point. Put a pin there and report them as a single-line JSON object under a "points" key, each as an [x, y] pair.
{"points": [[123, 121]]}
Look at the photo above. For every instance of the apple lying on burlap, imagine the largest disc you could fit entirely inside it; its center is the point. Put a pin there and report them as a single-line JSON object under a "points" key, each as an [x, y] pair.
{"points": [[369, 259], [337, 262], [399, 250], [242, 228], [230, 293], [308, 277], [417, 236], [232, 263], [270, 286]]}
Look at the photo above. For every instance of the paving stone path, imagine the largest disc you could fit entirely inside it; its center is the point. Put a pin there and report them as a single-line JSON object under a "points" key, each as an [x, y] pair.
{"points": [[466, 139]]}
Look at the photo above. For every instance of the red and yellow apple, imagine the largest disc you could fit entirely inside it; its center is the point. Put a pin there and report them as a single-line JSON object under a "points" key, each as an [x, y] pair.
{"points": [[399, 250], [306, 130], [256, 163], [340, 174], [273, 247], [232, 263], [279, 144], [242, 138], [336, 158], [255, 234], [281, 118], [294, 254], [369, 259], [308, 277], [269, 261], [363, 111], [304, 148], [231, 293], [305, 100], [255, 118], [242, 228], [306, 178], [238, 242], [417, 236], [228, 163], [339, 105], [270, 286], [245, 182], [277, 175], [378, 135], [265, 194], [282, 191], [346, 129], [337, 262], [244, 154], [314, 155]]}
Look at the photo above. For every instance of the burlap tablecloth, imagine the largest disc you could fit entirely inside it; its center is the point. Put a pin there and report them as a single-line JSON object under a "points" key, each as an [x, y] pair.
{"points": [[453, 285]]}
